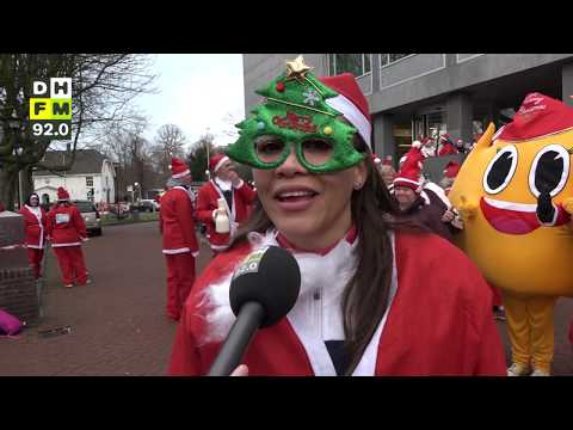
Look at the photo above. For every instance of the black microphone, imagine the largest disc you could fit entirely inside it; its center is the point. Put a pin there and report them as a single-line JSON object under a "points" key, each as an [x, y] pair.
{"points": [[263, 290]]}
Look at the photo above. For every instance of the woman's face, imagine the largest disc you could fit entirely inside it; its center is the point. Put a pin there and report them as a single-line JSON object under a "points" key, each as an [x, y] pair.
{"points": [[34, 201], [312, 211]]}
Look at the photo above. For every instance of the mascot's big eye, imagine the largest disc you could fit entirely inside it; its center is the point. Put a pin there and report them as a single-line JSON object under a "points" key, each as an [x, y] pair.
{"points": [[500, 170], [549, 171]]}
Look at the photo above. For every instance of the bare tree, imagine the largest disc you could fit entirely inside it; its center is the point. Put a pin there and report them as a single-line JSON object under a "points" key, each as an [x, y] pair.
{"points": [[168, 143], [103, 85]]}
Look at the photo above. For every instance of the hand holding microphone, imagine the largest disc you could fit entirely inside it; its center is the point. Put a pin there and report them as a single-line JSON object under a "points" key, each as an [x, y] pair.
{"points": [[263, 290]]}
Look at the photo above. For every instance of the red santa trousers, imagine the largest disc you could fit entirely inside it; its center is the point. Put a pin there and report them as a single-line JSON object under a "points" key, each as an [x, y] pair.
{"points": [[180, 279], [72, 265], [35, 258]]}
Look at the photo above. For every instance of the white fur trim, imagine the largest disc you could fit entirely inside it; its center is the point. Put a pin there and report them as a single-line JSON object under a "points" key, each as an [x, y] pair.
{"points": [[218, 247], [367, 364], [181, 175], [416, 144], [220, 319], [220, 163], [61, 245], [438, 191], [176, 251], [353, 115], [37, 212]]}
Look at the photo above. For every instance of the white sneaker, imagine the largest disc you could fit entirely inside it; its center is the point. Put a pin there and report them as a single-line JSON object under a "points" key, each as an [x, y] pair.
{"points": [[517, 369], [539, 372]]}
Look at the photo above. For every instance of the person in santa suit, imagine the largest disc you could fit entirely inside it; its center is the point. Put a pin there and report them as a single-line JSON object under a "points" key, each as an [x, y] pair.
{"points": [[237, 198], [67, 231], [423, 202], [446, 146], [35, 224], [374, 299], [180, 245], [450, 172]]}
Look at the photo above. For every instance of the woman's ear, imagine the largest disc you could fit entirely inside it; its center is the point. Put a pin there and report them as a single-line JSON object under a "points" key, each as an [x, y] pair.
{"points": [[360, 174]]}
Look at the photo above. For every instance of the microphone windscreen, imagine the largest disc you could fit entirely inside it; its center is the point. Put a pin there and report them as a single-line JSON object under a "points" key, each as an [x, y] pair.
{"points": [[269, 276]]}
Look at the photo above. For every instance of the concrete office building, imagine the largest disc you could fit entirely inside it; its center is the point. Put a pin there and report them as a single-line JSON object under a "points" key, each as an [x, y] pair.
{"points": [[414, 95]]}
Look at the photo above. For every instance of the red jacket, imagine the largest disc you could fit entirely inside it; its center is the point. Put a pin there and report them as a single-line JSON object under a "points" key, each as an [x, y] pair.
{"points": [[177, 226], [447, 148], [439, 322], [66, 227], [243, 197], [35, 228]]}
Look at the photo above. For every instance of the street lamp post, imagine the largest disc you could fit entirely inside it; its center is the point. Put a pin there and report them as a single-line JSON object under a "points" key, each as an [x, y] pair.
{"points": [[17, 152], [135, 191]]}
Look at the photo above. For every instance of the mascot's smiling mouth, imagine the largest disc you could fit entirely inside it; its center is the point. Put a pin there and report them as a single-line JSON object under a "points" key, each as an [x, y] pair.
{"points": [[517, 218]]}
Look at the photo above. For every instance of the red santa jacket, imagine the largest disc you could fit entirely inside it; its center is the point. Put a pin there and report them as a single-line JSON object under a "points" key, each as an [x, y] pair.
{"points": [[177, 226], [439, 321], [35, 225], [66, 227], [447, 148], [209, 193]]}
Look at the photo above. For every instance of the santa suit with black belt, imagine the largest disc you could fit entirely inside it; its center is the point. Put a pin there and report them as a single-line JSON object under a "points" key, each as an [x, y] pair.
{"points": [[238, 201], [180, 245], [67, 231], [35, 224]]}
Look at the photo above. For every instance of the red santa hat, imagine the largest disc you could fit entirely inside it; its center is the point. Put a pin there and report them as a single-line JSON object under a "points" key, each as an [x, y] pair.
{"points": [[351, 103], [387, 161], [410, 174], [539, 115], [451, 170], [63, 194], [179, 168], [216, 161]]}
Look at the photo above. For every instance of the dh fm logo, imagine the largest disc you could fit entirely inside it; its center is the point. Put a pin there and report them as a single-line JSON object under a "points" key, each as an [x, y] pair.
{"points": [[51, 108]]}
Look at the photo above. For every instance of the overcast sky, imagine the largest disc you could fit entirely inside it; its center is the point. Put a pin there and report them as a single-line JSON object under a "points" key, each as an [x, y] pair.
{"points": [[197, 92]]}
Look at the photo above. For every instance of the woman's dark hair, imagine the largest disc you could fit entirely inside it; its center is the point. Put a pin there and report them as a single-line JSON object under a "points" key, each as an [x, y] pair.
{"points": [[366, 296], [28, 200]]}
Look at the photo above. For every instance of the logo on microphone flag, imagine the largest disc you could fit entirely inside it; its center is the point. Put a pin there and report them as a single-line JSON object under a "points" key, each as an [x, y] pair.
{"points": [[251, 263]]}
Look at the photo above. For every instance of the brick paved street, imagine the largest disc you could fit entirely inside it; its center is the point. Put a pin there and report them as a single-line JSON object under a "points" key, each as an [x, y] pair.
{"points": [[118, 323]]}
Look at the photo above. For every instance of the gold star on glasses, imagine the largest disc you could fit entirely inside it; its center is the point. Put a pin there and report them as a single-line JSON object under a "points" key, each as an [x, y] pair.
{"points": [[297, 68]]}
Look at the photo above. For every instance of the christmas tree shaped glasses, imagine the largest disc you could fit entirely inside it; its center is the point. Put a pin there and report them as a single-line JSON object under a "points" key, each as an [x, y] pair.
{"points": [[296, 112]]}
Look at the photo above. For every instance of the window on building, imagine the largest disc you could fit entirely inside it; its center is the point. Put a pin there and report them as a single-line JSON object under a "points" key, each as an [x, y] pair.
{"points": [[357, 64], [89, 181], [386, 59]]}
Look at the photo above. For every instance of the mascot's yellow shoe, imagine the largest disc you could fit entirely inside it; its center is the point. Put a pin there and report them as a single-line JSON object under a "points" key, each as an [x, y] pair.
{"points": [[517, 369]]}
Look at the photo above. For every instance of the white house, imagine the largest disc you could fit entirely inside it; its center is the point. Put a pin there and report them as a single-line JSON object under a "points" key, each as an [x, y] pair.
{"points": [[91, 177]]}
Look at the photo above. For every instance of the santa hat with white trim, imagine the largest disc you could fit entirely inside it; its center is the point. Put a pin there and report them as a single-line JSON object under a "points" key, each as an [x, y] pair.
{"points": [[410, 174], [179, 168], [351, 103], [216, 161]]}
